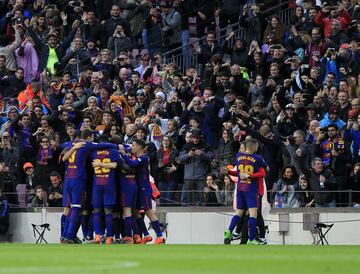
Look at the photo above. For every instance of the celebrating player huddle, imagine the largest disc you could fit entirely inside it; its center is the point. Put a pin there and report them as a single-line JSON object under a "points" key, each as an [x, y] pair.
{"points": [[250, 169], [120, 190]]}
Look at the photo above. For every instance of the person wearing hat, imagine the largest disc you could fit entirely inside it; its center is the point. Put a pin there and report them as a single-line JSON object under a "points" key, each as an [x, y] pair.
{"points": [[332, 118], [196, 157], [52, 52], [289, 121], [31, 181]]}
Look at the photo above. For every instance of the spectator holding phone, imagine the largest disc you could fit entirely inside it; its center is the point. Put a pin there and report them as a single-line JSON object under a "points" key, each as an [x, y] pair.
{"points": [[196, 157]]}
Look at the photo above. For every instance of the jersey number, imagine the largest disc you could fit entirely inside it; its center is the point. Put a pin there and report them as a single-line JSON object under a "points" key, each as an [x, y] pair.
{"points": [[101, 170], [247, 169], [72, 157]]}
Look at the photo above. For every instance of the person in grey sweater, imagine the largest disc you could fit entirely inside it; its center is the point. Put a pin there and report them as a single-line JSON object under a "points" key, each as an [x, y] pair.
{"points": [[8, 50], [171, 29], [196, 157]]}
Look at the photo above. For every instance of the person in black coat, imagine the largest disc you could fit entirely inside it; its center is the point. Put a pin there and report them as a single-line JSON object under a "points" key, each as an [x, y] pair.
{"points": [[115, 20], [11, 86], [238, 53]]}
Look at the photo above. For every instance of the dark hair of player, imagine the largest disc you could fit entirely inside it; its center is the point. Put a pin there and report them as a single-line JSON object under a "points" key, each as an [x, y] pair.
{"points": [[141, 143], [86, 133]]}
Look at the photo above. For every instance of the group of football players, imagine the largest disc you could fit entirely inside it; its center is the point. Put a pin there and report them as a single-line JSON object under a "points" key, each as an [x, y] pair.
{"points": [[107, 185]]}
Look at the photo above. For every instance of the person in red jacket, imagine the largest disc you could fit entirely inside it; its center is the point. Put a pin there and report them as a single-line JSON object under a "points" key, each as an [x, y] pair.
{"points": [[329, 13]]}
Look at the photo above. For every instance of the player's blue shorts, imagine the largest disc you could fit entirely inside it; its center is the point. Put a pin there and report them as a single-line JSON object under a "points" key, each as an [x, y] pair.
{"points": [[129, 195], [103, 196], [75, 192], [144, 199], [245, 200]]}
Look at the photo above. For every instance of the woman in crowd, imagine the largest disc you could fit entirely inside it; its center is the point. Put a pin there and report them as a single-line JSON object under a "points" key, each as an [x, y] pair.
{"points": [[168, 177], [286, 188]]}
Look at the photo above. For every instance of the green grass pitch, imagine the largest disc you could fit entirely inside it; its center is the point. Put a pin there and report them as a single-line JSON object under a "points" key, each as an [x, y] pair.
{"points": [[173, 259]]}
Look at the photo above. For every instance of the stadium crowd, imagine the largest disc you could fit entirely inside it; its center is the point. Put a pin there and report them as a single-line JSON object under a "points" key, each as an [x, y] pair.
{"points": [[68, 66]]}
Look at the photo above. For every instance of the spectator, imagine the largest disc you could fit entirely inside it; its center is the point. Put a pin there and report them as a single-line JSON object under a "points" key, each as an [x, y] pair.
{"points": [[171, 30], [55, 191], [328, 15], [118, 42], [168, 177], [28, 59], [196, 156], [354, 184], [13, 84], [321, 182], [8, 50], [9, 159], [306, 197], [40, 197], [212, 191], [286, 187]]}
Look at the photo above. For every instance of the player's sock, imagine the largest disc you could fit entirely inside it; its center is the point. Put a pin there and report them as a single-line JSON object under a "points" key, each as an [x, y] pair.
{"points": [[63, 225], [156, 226], [135, 226], [73, 223], [252, 228], [90, 234], [97, 223], [234, 221], [128, 226], [109, 225], [116, 227], [142, 227], [84, 225]]}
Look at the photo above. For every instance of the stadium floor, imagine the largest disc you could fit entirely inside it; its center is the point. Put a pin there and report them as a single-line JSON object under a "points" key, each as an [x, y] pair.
{"points": [[172, 259]]}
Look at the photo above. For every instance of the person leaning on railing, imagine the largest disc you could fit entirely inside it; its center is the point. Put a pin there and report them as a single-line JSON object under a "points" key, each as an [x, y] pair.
{"points": [[322, 181]]}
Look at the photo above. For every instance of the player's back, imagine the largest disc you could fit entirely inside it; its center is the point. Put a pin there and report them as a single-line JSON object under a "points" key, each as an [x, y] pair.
{"points": [[104, 176], [75, 165], [248, 164]]}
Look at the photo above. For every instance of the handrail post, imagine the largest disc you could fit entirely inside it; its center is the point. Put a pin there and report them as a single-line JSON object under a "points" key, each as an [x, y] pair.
{"points": [[350, 197]]}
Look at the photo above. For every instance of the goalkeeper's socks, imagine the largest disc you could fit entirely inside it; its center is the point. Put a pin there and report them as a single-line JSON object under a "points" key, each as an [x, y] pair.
{"points": [[252, 228], [234, 222]]}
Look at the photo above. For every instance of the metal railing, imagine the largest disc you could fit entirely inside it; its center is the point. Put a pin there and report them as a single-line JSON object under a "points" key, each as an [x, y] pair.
{"points": [[342, 198], [191, 58]]}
